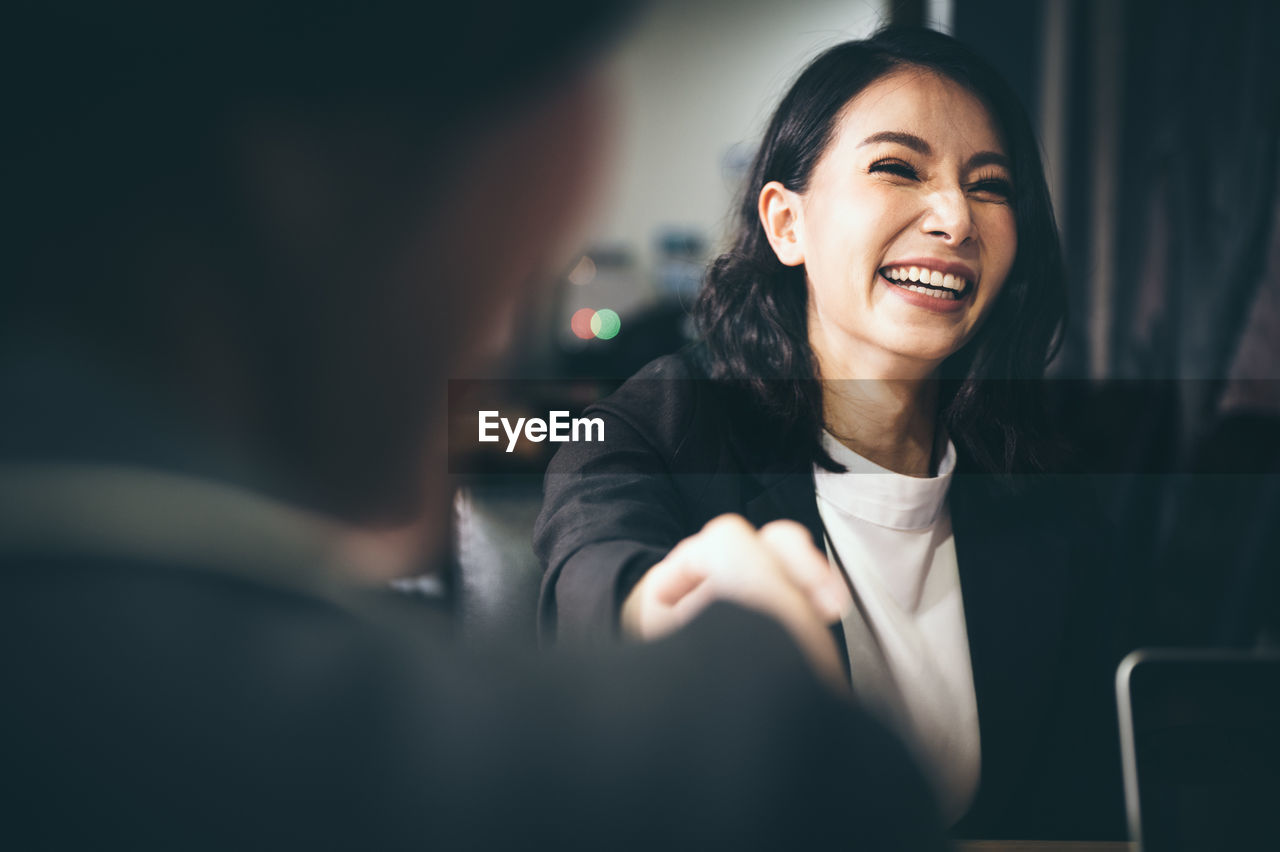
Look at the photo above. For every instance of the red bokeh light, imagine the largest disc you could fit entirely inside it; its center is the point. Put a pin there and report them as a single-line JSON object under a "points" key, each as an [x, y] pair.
{"points": [[581, 323]]}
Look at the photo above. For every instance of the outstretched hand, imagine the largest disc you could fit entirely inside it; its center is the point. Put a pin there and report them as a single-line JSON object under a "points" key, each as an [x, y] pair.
{"points": [[774, 570]]}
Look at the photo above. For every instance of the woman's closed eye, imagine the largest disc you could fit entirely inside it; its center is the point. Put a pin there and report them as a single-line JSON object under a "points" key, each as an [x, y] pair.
{"points": [[994, 188], [898, 168]]}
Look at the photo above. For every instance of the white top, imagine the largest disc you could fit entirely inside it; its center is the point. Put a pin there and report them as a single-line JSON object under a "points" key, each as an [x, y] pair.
{"points": [[908, 650]]}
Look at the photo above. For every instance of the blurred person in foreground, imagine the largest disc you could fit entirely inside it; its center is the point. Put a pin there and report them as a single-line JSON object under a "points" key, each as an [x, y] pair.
{"points": [[252, 244]]}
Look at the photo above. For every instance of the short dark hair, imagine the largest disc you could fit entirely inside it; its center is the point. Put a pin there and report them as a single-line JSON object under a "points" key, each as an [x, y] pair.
{"points": [[752, 311]]}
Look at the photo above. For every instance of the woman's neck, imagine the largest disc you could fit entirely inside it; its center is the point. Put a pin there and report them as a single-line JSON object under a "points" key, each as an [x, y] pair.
{"points": [[887, 416]]}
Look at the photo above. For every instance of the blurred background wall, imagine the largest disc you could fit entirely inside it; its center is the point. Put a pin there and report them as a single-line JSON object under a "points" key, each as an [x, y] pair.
{"points": [[695, 83]]}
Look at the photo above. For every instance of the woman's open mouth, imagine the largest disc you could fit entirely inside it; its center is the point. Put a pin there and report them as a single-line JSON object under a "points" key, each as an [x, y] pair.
{"points": [[929, 282]]}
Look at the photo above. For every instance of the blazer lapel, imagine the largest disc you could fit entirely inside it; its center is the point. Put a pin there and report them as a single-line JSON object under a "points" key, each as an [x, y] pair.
{"points": [[1014, 583], [788, 492]]}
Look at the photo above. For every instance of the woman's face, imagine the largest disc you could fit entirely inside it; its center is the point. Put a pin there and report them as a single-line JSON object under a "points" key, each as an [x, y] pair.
{"points": [[906, 231]]}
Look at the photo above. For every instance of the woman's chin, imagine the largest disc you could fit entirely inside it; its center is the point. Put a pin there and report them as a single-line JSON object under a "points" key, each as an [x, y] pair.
{"points": [[915, 353], [920, 335]]}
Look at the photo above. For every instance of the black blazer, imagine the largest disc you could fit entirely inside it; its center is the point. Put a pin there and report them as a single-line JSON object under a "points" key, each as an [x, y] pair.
{"points": [[1035, 578]]}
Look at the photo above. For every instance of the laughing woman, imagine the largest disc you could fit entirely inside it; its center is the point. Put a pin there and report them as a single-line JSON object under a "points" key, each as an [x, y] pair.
{"points": [[870, 364]]}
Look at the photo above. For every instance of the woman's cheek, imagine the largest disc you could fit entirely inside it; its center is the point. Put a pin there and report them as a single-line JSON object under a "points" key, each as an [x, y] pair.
{"points": [[1006, 234]]}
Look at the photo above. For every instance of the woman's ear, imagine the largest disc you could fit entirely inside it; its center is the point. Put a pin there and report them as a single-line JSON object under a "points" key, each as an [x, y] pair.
{"points": [[780, 214]]}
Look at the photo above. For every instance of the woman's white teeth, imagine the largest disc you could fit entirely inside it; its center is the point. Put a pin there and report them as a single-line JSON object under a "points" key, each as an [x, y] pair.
{"points": [[929, 291], [929, 278]]}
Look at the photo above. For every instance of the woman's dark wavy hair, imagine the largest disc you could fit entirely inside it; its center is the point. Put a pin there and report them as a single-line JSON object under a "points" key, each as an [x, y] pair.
{"points": [[752, 311]]}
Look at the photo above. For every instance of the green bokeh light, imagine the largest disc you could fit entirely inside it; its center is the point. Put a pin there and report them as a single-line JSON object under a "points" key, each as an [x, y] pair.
{"points": [[606, 324]]}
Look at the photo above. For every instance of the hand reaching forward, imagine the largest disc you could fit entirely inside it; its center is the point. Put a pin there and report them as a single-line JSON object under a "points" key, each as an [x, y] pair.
{"points": [[775, 570]]}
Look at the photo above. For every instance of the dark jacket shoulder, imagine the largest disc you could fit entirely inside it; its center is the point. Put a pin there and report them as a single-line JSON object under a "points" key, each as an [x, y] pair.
{"points": [[669, 405], [614, 508]]}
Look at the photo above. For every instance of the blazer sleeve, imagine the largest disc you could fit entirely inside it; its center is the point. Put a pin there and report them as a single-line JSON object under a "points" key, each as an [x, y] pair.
{"points": [[612, 509]]}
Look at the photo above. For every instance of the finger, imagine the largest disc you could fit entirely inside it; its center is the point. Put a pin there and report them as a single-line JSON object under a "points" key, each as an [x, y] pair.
{"points": [[819, 648], [734, 551], [733, 563], [808, 568], [731, 550], [689, 607], [775, 594], [729, 560], [677, 575], [647, 611], [729, 523], [791, 537], [791, 542], [718, 562]]}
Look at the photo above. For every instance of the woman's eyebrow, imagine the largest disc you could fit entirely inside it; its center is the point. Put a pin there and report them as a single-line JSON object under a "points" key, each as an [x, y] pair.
{"points": [[910, 140], [989, 158], [920, 146]]}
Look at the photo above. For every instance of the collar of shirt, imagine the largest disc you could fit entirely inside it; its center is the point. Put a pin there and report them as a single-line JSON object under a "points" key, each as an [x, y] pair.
{"points": [[880, 496]]}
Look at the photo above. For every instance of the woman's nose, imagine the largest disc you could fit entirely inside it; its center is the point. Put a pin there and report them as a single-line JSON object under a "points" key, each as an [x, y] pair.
{"points": [[948, 216]]}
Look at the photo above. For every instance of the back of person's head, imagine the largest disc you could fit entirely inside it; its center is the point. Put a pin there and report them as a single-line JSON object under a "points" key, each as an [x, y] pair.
{"points": [[283, 212]]}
